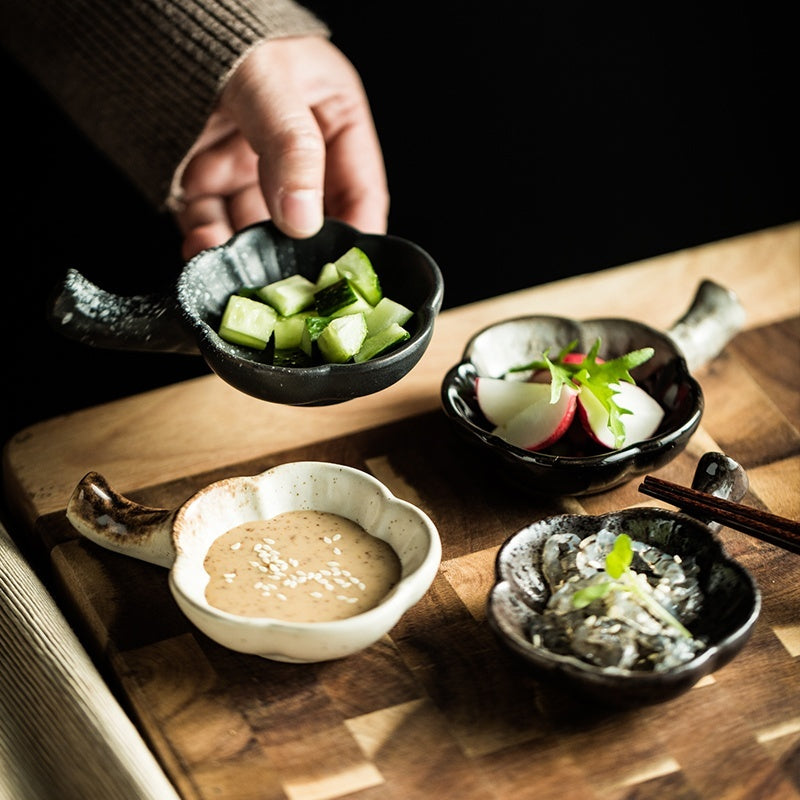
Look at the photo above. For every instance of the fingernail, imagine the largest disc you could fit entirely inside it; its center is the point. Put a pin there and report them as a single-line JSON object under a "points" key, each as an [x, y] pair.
{"points": [[302, 210]]}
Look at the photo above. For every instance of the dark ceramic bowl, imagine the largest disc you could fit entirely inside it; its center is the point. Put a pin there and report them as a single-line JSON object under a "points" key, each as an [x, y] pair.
{"points": [[713, 318], [732, 600], [187, 321]]}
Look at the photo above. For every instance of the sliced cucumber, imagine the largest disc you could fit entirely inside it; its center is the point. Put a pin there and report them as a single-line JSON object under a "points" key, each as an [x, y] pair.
{"points": [[289, 295], [342, 316], [312, 328], [385, 313], [358, 306], [289, 330], [327, 275], [247, 322], [357, 268], [342, 338], [335, 297], [381, 342]]}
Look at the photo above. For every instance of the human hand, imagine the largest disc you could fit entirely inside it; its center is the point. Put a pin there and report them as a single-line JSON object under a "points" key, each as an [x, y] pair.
{"points": [[292, 139]]}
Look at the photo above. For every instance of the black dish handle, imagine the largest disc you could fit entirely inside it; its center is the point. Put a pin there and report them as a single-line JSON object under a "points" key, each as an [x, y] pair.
{"points": [[81, 311]]}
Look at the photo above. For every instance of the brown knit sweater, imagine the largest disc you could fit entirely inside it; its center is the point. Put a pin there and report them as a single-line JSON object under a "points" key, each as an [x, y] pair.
{"points": [[140, 77]]}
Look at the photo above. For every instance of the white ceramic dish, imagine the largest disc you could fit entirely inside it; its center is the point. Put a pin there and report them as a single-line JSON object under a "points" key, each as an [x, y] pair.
{"points": [[179, 540]]}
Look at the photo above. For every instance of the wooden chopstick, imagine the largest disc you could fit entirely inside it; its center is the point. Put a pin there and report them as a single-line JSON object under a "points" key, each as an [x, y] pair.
{"points": [[771, 528]]}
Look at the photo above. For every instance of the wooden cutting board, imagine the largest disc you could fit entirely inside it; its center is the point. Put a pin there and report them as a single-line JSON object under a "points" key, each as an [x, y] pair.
{"points": [[439, 708]]}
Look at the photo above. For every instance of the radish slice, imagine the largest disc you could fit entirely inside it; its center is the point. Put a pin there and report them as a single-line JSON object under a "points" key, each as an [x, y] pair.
{"points": [[643, 421], [540, 423], [501, 399]]}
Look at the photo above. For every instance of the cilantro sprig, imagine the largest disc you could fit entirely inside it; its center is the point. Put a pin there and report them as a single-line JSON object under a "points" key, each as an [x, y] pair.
{"points": [[591, 375], [621, 578]]}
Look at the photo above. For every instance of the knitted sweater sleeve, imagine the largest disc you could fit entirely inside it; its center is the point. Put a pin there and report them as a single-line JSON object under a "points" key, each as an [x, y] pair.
{"points": [[140, 77]]}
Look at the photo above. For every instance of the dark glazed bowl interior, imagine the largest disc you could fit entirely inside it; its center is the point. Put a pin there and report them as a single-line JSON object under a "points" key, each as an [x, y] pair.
{"points": [[261, 254], [732, 603], [492, 351]]}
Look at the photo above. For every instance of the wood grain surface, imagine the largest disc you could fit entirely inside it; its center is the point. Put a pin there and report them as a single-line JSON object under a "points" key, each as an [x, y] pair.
{"points": [[439, 707]]}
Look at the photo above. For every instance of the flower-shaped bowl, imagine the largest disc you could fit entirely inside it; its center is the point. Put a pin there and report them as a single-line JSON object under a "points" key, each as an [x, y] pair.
{"points": [[730, 608], [187, 320], [714, 316], [179, 539]]}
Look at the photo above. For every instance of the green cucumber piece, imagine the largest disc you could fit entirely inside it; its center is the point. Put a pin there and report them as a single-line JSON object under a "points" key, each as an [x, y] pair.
{"points": [[327, 275], [247, 322], [312, 328], [381, 342], [358, 306], [385, 313], [335, 297], [357, 268], [342, 338], [289, 295], [288, 331]]}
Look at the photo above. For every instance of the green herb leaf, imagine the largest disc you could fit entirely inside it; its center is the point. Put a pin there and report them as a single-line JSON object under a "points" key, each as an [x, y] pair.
{"points": [[620, 557], [624, 579], [583, 597], [544, 362], [589, 375], [600, 378]]}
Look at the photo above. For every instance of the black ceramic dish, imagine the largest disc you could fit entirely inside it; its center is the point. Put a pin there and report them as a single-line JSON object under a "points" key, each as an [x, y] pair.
{"points": [[732, 600], [714, 316], [187, 321]]}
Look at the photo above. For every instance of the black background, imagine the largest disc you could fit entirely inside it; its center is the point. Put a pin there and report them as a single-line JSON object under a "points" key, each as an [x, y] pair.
{"points": [[523, 143]]}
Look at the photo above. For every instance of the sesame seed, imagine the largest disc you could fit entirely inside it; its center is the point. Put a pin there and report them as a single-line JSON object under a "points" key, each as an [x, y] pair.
{"points": [[236, 545]]}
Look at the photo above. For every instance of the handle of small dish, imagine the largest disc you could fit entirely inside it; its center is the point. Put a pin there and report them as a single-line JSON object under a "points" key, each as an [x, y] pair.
{"points": [[107, 518], [713, 319], [721, 476], [84, 312]]}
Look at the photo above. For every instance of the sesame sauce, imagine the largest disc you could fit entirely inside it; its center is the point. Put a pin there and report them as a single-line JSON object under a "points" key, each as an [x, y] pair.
{"points": [[300, 566]]}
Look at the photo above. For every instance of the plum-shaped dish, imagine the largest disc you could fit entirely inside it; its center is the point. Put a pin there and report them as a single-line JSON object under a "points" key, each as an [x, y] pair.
{"points": [[179, 540], [187, 321], [713, 318], [731, 600]]}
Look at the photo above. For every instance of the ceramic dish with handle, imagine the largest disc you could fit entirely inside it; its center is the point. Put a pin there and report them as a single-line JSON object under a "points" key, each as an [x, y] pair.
{"points": [[187, 321], [714, 316], [179, 539], [730, 607]]}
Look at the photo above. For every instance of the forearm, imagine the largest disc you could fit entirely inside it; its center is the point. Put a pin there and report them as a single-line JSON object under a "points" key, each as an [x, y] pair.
{"points": [[140, 77]]}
